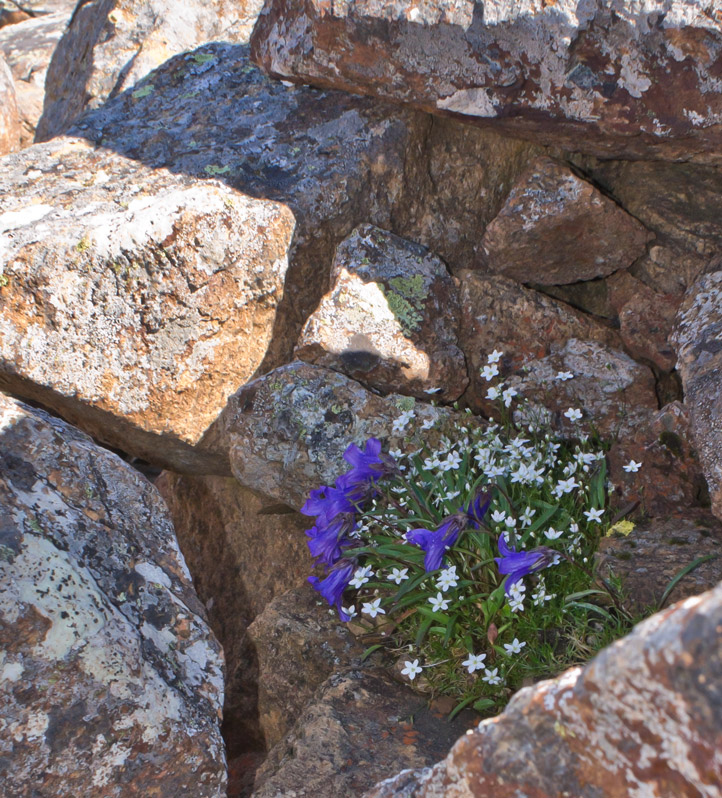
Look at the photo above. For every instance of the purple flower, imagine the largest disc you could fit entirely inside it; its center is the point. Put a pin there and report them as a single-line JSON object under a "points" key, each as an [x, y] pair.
{"points": [[477, 507], [518, 564], [369, 465], [435, 543], [332, 587], [326, 544], [326, 504]]}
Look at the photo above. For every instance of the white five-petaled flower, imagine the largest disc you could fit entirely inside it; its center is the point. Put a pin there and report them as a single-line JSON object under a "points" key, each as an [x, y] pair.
{"points": [[515, 646], [402, 421], [632, 467], [350, 612], [526, 516], [563, 376], [373, 608], [573, 414], [565, 486], [439, 602], [428, 424], [474, 662], [508, 395], [498, 516], [490, 371], [411, 669], [493, 393], [553, 534], [361, 576], [447, 578], [594, 515], [495, 356], [491, 677], [398, 575]]}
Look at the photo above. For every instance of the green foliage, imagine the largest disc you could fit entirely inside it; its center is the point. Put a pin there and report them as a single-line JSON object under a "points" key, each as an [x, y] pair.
{"points": [[406, 297]]}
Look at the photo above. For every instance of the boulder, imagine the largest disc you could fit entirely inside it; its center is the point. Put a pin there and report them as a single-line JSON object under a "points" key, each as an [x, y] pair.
{"points": [[36, 8], [556, 228], [28, 48], [299, 643], [626, 79], [390, 319], [643, 718], [134, 300], [359, 727], [111, 683], [111, 44], [498, 313], [698, 340], [10, 127], [243, 552], [286, 432]]}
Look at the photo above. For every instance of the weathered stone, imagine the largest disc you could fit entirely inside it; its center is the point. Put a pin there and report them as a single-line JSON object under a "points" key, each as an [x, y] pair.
{"points": [[10, 128], [28, 48], [556, 228], [652, 555], [286, 432], [134, 301], [12, 17], [241, 558], [613, 79], [299, 643], [614, 393], [390, 319], [670, 477], [643, 718], [35, 8], [111, 683], [361, 726], [112, 44], [698, 340], [500, 314]]}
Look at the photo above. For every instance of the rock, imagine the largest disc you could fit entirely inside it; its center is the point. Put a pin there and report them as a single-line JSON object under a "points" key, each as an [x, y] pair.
{"points": [[361, 726], [653, 554], [698, 340], [111, 683], [643, 718], [497, 314], [335, 160], [556, 228], [35, 8], [9, 116], [112, 44], [670, 477], [614, 393], [299, 643], [134, 300], [286, 432], [12, 17], [390, 319], [28, 48], [586, 79], [241, 559]]}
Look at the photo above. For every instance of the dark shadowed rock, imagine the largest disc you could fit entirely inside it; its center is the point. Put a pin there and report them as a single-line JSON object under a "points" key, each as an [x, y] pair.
{"points": [[390, 319], [643, 718], [111, 683], [625, 79], [556, 228]]}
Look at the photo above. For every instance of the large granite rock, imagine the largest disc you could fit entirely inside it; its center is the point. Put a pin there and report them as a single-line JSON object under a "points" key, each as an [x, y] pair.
{"points": [[111, 44], [557, 228], [615, 79], [28, 48], [10, 127], [698, 339], [644, 718], [134, 300], [359, 727], [390, 319], [111, 683], [286, 432], [243, 552]]}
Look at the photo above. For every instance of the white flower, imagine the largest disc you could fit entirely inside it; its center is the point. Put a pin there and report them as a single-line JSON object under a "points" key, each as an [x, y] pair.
{"points": [[489, 372], [474, 662], [573, 414], [516, 605], [447, 578], [514, 647], [493, 393], [433, 390], [508, 395], [350, 612], [593, 516], [563, 376], [453, 460], [428, 424], [526, 516], [411, 669], [398, 575], [402, 421], [495, 356], [553, 534], [632, 467], [361, 576], [565, 486], [373, 608], [498, 516], [574, 527], [491, 677], [439, 603]]}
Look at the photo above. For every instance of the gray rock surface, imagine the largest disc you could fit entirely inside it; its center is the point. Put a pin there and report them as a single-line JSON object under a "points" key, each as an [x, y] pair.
{"points": [[111, 683]]}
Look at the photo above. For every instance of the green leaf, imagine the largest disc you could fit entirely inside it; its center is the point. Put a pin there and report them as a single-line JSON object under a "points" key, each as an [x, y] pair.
{"points": [[678, 577], [370, 650], [592, 608], [484, 703], [461, 705]]}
